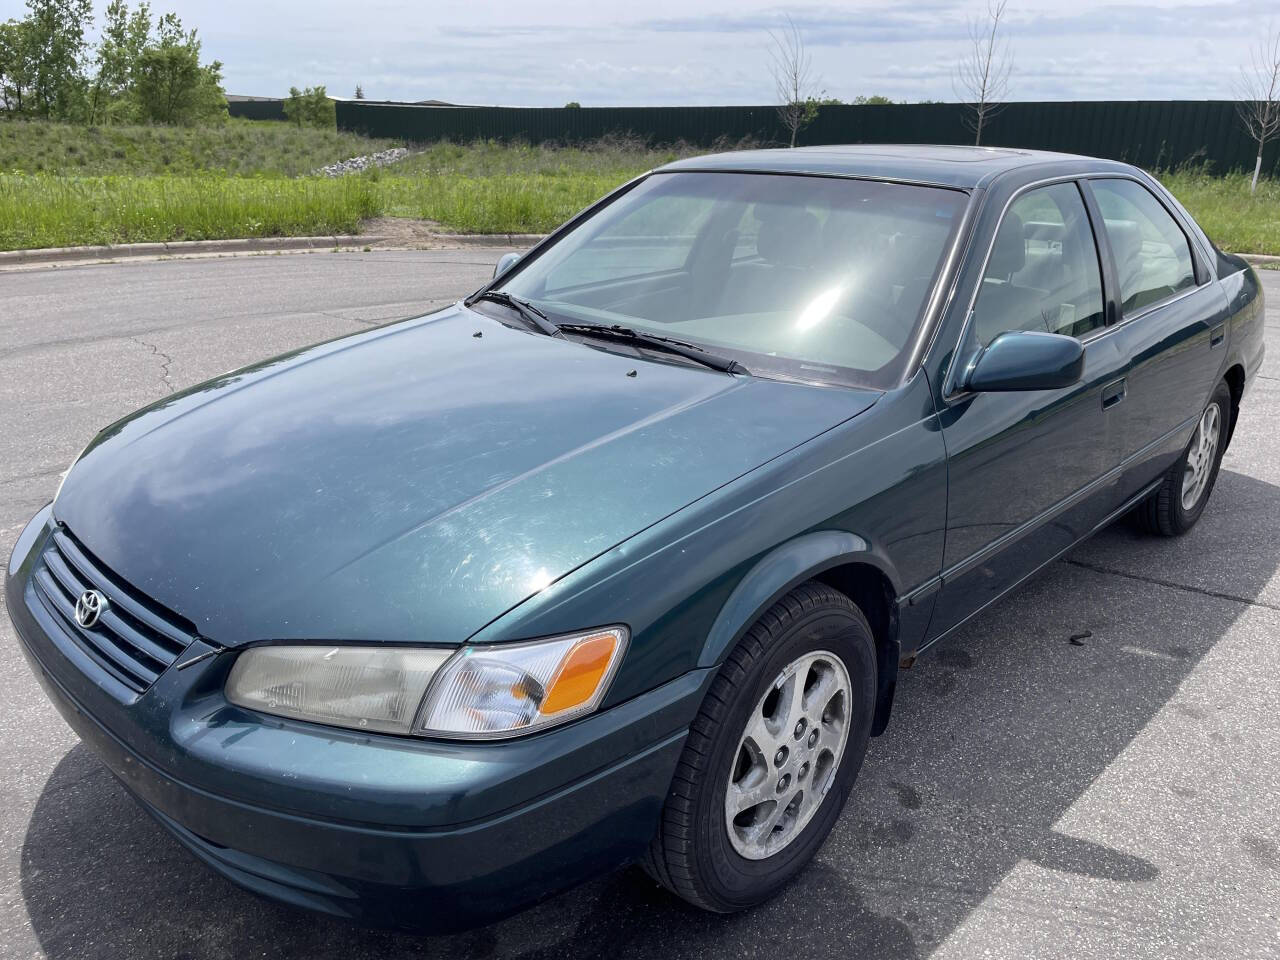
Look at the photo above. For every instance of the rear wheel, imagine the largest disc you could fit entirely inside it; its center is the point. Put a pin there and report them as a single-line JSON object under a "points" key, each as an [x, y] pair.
{"points": [[1177, 503], [772, 754]]}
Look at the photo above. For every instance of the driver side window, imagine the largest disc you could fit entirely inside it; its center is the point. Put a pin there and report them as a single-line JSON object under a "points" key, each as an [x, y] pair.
{"points": [[1043, 271]]}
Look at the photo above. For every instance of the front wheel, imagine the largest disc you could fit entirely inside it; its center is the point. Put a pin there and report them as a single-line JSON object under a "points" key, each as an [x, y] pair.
{"points": [[1177, 503], [772, 754]]}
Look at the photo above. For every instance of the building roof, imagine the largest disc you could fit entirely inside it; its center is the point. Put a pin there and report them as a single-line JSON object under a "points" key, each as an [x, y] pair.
{"points": [[949, 166]]}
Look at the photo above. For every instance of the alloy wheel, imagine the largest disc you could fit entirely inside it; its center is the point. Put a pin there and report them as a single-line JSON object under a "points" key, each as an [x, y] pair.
{"points": [[1201, 456], [788, 755]]}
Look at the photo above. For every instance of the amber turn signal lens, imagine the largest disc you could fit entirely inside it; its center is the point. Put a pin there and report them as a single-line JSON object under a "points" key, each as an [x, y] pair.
{"points": [[580, 673], [499, 690]]}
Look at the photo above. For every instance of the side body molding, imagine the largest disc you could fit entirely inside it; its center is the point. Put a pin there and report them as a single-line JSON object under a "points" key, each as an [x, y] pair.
{"points": [[788, 565]]}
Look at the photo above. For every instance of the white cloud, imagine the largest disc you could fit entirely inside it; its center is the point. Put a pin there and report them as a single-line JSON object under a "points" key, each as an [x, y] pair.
{"points": [[709, 51]]}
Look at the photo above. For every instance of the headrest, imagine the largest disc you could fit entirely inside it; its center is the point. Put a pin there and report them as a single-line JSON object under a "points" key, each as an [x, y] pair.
{"points": [[1010, 250], [1126, 239], [1044, 230], [789, 236]]}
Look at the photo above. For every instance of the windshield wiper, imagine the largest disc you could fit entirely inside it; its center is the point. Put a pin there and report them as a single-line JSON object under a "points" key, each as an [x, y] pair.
{"points": [[617, 331], [528, 312], [614, 331]]}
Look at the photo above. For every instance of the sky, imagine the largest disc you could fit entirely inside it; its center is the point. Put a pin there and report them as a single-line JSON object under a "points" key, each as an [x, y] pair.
{"points": [[663, 52]]}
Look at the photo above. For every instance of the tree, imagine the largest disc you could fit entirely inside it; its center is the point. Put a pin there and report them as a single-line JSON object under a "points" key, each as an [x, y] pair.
{"points": [[982, 76], [875, 100], [311, 108], [170, 85], [116, 62], [573, 105], [359, 92], [792, 80], [42, 59], [141, 69], [16, 64], [1259, 106]]}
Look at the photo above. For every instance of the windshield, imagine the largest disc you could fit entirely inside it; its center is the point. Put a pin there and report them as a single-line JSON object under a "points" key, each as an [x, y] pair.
{"points": [[811, 278]]}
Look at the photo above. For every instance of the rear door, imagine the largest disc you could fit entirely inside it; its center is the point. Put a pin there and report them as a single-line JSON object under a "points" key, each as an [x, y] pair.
{"points": [[1171, 329], [1028, 471]]}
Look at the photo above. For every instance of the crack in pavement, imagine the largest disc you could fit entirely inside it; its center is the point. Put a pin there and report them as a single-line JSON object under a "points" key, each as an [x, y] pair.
{"points": [[38, 475], [361, 320], [380, 321], [7, 353], [1159, 582], [166, 362]]}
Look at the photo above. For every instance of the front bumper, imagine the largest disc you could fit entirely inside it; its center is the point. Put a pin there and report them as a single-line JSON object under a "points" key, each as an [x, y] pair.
{"points": [[402, 831]]}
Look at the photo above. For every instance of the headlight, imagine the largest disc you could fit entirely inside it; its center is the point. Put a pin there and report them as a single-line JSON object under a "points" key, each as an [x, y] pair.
{"points": [[368, 688], [471, 693], [500, 691]]}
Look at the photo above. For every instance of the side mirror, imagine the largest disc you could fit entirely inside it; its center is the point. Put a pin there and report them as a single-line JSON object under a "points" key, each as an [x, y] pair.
{"points": [[505, 263], [1025, 360]]}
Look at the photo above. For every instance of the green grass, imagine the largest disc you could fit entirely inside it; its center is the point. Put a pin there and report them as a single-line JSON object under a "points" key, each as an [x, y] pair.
{"points": [[617, 157], [236, 148], [506, 203], [62, 185], [45, 211], [67, 185], [487, 187], [1232, 218]]}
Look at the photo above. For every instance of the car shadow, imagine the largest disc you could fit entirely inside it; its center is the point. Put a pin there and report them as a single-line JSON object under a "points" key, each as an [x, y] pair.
{"points": [[995, 735]]}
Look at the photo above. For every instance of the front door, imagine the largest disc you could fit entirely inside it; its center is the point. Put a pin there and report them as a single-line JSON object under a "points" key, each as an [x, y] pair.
{"points": [[1028, 470]]}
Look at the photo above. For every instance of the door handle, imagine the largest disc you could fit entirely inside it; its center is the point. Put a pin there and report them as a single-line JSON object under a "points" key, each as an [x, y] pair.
{"points": [[1113, 393], [1217, 335]]}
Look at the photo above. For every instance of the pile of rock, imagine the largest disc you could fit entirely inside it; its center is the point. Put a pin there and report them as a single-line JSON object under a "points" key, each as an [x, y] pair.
{"points": [[359, 164]]}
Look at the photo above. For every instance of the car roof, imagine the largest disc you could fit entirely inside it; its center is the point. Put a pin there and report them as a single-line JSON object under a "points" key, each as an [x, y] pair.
{"points": [[963, 167]]}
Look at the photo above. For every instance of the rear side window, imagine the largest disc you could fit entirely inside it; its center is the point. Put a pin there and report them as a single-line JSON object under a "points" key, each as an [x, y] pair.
{"points": [[1153, 258], [1043, 270]]}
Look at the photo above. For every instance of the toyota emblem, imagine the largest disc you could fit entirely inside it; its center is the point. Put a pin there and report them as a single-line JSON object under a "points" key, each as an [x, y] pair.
{"points": [[89, 608]]}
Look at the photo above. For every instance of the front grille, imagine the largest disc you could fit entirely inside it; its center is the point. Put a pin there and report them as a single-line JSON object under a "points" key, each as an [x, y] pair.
{"points": [[134, 639]]}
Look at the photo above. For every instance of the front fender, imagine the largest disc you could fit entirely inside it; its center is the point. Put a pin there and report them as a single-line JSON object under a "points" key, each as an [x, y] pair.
{"points": [[784, 568], [808, 557]]}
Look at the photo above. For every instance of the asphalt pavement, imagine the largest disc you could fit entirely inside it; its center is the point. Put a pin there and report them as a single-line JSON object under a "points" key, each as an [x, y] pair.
{"points": [[1033, 797]]}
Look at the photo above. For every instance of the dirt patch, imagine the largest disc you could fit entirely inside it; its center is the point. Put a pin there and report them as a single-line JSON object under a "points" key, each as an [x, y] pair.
{"points": [[405, 232]]}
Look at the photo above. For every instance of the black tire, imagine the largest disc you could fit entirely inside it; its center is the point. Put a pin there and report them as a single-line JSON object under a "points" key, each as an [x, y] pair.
{"points": [[691, 854], [1162, 513]]}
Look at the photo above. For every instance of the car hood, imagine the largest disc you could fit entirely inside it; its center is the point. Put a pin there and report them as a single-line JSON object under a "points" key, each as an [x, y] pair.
{"points": [[414, 482]]}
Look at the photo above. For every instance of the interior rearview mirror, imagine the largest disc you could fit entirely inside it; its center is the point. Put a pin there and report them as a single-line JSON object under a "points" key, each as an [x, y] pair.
{"points": [[1025, 360], [505, 263]]}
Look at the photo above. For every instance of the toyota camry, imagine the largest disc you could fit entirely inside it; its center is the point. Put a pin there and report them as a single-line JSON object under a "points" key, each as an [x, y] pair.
{"points": [[619, 558]]}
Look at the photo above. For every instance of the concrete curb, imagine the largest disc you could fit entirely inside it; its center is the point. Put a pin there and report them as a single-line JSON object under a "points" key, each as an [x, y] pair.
{"points": [[1260, 258], [10, 258], [180, 248], [491, 239]]}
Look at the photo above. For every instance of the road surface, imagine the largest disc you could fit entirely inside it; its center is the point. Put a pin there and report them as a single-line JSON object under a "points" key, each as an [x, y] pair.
{"points": [[1032, 798]]}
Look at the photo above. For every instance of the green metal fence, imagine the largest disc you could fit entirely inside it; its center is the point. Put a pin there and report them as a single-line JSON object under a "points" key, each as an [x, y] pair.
{"points": [[256, 109], [1150, 133]]}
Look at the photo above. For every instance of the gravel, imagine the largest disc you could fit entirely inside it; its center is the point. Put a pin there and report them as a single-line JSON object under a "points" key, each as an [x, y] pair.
{"points": [[360, 164]]}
